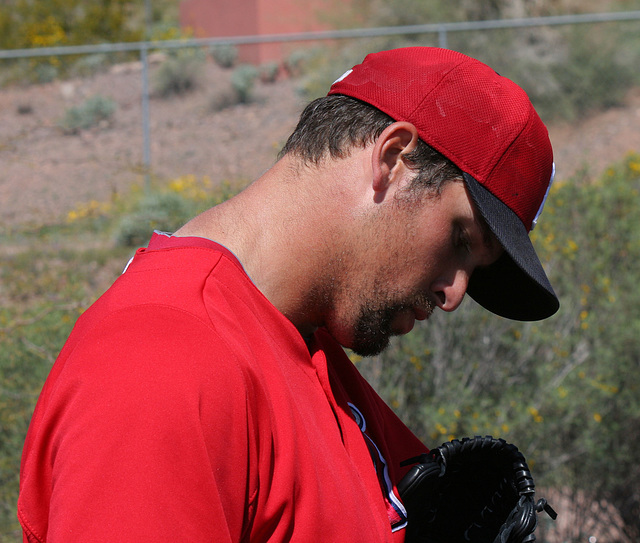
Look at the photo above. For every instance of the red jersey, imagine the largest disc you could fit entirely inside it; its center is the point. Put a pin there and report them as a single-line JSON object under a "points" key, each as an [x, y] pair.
{"points": [[186, 407]]}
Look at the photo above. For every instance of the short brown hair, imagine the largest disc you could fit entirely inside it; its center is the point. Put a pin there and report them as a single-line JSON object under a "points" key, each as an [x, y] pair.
{"points": [[333, 125]]}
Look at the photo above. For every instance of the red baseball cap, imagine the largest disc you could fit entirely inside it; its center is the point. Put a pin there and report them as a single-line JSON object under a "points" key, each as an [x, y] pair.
{"points": [[485, 124]]}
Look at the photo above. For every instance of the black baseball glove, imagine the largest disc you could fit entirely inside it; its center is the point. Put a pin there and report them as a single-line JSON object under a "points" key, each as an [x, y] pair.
{"points": [[477, 490]]}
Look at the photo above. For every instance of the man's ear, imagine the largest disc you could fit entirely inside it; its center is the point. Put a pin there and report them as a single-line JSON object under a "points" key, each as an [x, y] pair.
{"points": [[396, 140]]}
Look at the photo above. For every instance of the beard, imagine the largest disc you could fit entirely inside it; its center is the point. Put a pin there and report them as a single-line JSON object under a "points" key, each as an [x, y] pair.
{"points": [[372, 332], [374, 326]]}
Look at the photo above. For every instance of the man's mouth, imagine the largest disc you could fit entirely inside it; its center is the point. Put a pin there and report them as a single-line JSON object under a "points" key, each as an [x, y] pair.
{"points": [[422, 314], [405, 320]]}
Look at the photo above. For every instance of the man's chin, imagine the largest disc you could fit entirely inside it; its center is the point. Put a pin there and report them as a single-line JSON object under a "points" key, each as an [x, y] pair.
{"points": [[372, 335], [369, 346]]}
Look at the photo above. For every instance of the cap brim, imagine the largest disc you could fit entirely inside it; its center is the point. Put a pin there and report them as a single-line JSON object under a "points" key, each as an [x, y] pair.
{"points": [[515, 286]]}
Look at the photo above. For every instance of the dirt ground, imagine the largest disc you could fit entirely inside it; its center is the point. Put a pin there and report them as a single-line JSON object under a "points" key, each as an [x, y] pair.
{"points": [[45, 173]]}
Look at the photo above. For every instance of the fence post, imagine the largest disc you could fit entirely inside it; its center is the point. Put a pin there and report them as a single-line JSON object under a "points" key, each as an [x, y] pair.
{"points": [[442, 37], [146, 132]]}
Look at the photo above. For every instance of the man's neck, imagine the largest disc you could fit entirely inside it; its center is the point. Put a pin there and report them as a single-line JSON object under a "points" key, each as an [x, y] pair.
{"points": [[282, 229]]}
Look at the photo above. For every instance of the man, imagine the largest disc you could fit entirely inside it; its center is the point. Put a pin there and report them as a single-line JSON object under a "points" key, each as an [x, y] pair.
{"points": [[206, 395]]}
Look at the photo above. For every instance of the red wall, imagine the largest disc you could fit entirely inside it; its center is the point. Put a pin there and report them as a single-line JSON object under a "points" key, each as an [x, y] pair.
{"points": [[220, 18]]}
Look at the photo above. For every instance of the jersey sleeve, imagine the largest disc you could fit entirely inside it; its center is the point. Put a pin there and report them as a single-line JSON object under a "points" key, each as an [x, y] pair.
{"points": [[145, 435]]}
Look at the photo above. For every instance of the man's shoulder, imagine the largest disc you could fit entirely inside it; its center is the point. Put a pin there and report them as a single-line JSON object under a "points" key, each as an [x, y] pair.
{"points": [[179, 277], [193, 301]]}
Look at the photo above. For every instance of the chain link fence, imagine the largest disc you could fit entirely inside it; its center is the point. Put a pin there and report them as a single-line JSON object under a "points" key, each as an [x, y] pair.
{"points": [[71, 141]]}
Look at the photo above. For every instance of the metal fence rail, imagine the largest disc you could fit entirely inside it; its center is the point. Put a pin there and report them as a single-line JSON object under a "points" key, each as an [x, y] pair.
{"points": [[442, 29]]}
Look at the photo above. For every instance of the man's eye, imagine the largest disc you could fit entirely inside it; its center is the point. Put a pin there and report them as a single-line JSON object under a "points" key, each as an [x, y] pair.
{"points": [[463, 242]]}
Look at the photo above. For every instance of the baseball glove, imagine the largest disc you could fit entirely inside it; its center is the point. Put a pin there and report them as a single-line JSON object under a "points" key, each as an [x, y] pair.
{"points": [[477, 490]]}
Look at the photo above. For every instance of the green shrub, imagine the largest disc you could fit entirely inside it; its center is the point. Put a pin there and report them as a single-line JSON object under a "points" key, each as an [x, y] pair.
{"points": [[157, 211], [45, 72], [239, 90], [582, 71], [93, 111], [296, 62], [223, 97], [243, 81], [225, 55], [25, 24], [269, 72], [88, 65], [592, 78], [178, 74]]}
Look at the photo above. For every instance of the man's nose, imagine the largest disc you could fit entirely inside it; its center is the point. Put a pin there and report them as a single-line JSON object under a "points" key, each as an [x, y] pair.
{"points": [[449, 291]]}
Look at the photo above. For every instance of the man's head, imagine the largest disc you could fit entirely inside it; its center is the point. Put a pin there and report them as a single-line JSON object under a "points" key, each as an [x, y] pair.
{"points": [[473, 124], [408, 237]]}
